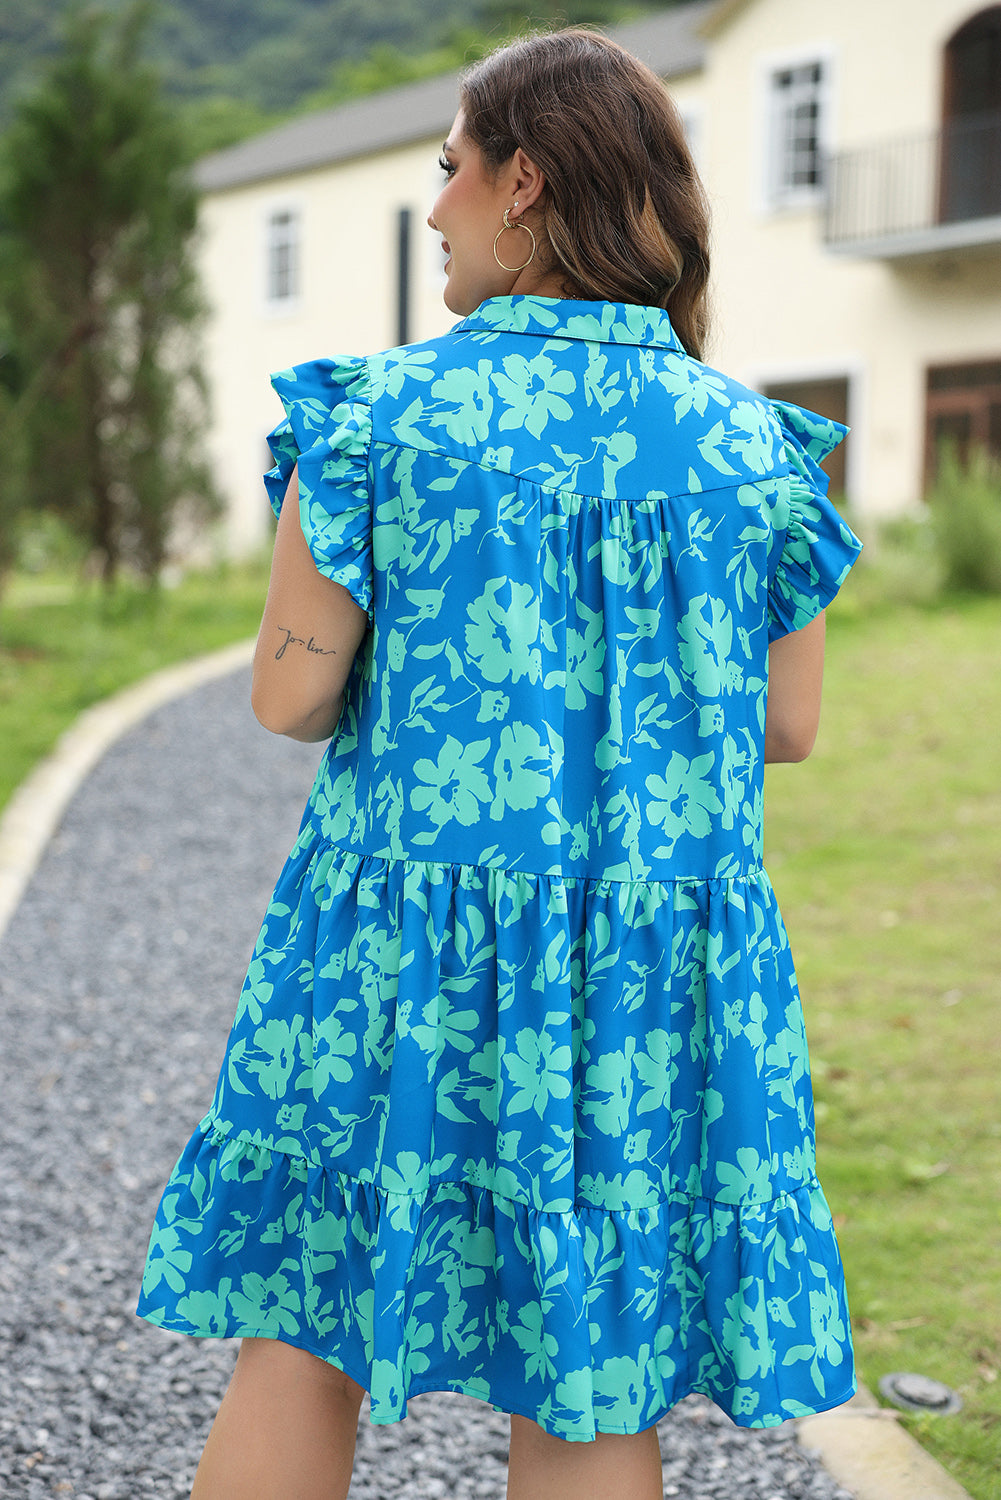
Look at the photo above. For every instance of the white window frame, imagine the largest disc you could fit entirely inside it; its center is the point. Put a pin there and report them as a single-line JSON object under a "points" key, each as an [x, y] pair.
{"points": [[291, 213], [777, 194]]}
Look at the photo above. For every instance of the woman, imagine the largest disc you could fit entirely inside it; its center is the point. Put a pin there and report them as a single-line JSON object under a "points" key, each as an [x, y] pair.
{"points": [[516, 1101]]}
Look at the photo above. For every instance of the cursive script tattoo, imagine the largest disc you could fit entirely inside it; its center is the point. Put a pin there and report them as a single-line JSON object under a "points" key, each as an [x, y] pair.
{"points": [[297, 640]]}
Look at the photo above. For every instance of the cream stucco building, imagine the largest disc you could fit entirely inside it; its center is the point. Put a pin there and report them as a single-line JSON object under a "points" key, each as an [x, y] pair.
{"points": [[852, 153]]}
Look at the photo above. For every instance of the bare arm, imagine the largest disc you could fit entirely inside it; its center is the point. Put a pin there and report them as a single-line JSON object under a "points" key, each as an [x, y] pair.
{"points": [[795, 679], [309, 634]]}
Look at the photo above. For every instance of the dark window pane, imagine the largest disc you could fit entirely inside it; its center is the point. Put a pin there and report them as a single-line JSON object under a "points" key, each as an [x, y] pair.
{"points": [[962, 377], [971, 134], [952, 430], [830, 399], [797, 106], [994, 428]]}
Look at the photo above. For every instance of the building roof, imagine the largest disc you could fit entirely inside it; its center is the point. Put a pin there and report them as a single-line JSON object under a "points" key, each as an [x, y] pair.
{"points": [[670, 42]]}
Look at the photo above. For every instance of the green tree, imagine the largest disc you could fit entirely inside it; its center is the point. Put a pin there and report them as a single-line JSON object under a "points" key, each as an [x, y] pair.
{"points": [[11, 493], [101, 303], [512, 16]]}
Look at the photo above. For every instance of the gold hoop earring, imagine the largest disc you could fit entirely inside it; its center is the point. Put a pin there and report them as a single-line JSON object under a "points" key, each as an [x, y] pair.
{"points": [[518, 224]]}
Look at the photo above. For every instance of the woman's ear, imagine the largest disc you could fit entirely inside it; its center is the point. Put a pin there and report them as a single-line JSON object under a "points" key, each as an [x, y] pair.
{"points": [[528, 180]]}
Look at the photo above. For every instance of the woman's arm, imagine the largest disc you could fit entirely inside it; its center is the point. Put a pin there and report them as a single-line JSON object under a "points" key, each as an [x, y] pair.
{"points": [[795, 679], [310, 631]]}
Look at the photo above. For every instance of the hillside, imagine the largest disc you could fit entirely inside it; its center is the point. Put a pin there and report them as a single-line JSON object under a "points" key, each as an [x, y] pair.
{"points": [[267, 57]]}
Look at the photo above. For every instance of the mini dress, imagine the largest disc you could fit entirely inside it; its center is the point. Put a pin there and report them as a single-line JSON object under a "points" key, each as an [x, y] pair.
{"points": [[517, 1100]]}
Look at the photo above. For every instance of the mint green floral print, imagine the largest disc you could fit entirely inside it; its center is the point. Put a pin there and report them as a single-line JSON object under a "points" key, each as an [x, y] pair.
{"points": [[457, 784], [748, 1179], [520, 770], [532, 391], [608, 1091], [168, 1262], [536, 1068], [540, 1347], [266, 1304], [586, 650], [492, 706], [657, 1069], [501, 638], [208, 1310], [517, 1098], [735, 771], [705, 640], [466, 404], [333, 1047], [685, 799], [276, 1044], [752, 437]]}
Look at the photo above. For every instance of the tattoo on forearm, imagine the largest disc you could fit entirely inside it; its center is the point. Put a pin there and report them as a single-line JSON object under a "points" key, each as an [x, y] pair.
{"points": [[297, 640]]}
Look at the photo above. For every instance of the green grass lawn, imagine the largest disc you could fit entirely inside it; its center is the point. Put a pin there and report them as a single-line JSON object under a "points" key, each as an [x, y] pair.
{"points": [[885, 851], [64, 647]]}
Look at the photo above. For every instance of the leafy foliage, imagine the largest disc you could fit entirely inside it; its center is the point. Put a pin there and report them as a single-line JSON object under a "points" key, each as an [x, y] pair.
{"points": [[966, 514], [269, 56], [101, 382]]}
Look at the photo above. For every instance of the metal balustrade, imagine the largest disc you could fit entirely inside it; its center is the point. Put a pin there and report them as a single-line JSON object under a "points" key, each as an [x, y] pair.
{"points": [[923, 192]]}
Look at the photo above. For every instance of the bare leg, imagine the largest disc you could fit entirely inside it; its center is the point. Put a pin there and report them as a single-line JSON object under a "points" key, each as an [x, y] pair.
{"points": [[286, 1428], [615, 1466]]}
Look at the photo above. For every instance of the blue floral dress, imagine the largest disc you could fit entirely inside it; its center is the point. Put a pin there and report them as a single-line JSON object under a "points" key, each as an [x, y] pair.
{"points": [[517, 1100]]}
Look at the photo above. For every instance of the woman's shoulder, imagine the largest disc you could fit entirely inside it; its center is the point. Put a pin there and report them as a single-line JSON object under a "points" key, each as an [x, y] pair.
{"points": [[318, 386], [486, 386]]}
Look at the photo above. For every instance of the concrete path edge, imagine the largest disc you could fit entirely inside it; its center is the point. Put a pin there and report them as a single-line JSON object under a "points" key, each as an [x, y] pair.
{"points": [[37, 806], [864, 1447], [861, 1443]]}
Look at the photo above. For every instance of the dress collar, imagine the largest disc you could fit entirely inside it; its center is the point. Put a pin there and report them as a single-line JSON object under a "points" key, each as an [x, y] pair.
{"points": [[562, 318]]}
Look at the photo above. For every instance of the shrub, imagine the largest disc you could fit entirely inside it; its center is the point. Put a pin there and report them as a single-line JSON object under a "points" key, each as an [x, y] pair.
{"points": [[965, 503], [899, 565]]}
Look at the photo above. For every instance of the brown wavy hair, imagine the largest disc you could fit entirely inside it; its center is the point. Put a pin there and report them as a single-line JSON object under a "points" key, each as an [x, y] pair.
{"points": [[624, 211]]}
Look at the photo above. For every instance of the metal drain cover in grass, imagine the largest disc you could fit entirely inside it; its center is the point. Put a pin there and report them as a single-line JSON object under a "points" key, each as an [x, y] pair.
{"points": [[920, 1393]]}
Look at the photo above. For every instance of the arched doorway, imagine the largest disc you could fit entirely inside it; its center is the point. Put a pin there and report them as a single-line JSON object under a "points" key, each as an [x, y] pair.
{"points": [[971, 120]]}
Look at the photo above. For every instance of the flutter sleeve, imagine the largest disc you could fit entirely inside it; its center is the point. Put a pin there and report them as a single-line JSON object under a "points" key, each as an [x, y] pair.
{"points": [[327, 432], [812, 548]]}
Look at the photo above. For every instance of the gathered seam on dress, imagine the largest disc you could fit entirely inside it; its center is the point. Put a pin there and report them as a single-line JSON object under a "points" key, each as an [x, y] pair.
{"points": [[213, 1132], [553, 488], [748, 876]]}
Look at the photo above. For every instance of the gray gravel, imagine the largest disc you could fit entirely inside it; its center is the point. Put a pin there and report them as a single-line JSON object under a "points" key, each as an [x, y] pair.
{"points": [[118, 981]]}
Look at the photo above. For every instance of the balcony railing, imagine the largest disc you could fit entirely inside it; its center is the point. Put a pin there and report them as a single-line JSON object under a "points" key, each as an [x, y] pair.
{"points": [[912, 197]]}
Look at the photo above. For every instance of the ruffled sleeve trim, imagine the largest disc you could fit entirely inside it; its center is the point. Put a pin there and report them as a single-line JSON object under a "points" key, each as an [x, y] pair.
{"points": [[813, 549], [327, 432]]}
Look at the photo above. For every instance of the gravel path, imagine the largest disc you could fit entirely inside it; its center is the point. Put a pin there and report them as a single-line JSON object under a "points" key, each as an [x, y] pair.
{"points": [[118, 981]]}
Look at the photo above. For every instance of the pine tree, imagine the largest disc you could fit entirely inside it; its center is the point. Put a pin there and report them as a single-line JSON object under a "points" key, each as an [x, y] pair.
{"points": [[97, 212]]}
